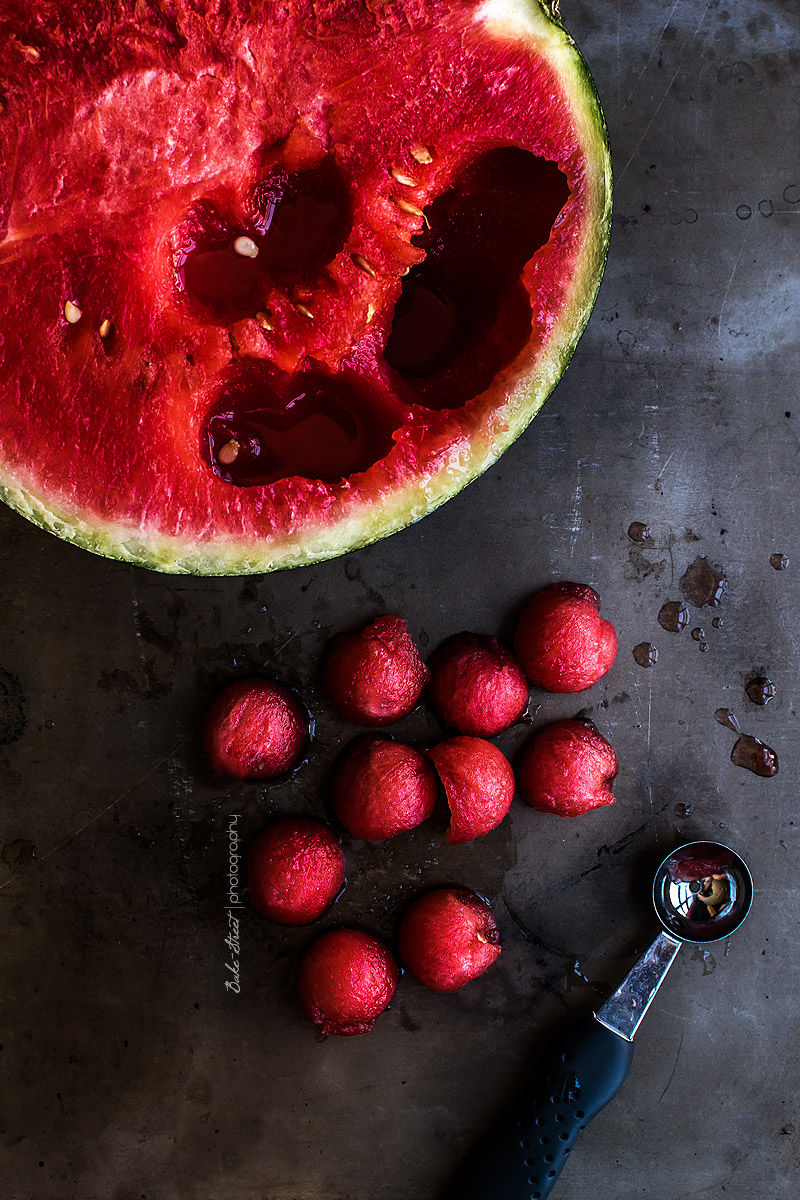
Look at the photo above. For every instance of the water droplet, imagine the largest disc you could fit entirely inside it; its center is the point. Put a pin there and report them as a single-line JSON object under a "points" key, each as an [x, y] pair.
{"points": [[683, 810], [779, 561], [18, 854], [673, 616], [760, 690], [717, 622], [638, 531], [726, 717], [645, 654], [698, 634]]}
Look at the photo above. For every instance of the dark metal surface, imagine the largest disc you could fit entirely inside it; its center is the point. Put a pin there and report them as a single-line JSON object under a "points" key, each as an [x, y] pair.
{"points": [[129, 1071]]}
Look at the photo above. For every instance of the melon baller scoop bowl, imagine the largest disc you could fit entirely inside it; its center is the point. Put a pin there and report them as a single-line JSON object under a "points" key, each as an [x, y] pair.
{"points": [[701, 892]]}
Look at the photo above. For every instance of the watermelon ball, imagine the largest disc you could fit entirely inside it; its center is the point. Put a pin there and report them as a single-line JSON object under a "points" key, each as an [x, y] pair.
{"points": [[478, 783], [255, 730], [345, 980], [376, 676], [567, 768], [295, 870], [448, 937], [380, 788], [477, 686], [562, 642]]}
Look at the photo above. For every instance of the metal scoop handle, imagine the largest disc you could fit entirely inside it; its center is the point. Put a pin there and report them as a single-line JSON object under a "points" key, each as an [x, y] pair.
{"points": [[524, 1155], [522, 1158]]}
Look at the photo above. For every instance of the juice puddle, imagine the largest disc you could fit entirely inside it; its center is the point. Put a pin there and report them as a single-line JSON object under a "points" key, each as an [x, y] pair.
{"points": [[300, 222], [263, 430], [704, 583]]}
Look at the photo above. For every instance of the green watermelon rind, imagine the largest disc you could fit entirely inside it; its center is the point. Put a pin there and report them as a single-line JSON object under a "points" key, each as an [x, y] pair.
{"points": [[531, 19]]}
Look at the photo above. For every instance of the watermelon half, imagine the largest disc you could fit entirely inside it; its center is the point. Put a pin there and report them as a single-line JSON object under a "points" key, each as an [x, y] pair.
{"points": [[279, 280]]}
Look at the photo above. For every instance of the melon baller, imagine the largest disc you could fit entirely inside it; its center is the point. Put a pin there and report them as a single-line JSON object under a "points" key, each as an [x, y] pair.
{"points": [[701, 892]]}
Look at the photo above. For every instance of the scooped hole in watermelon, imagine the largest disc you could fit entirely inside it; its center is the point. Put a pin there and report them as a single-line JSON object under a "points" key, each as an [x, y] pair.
{"points": [[209, 271], [303, 216], [264, 426], [297, 222], [463, 313]]}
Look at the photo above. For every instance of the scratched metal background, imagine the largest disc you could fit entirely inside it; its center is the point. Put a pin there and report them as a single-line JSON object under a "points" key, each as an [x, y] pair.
{"points": [[129, 1072]]}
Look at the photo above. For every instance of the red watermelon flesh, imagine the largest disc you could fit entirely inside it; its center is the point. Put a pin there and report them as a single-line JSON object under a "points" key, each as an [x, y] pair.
{"points": [[278, 280]]}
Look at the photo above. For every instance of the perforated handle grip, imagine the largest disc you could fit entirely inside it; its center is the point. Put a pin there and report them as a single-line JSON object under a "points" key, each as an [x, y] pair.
{"points": [[523, 1156]]}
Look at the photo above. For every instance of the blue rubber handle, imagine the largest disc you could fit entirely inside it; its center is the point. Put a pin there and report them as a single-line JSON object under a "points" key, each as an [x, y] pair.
{"points": [[523, 1156]]}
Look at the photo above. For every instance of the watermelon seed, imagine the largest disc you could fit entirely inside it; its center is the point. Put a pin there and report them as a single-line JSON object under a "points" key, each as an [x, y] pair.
{"points": [[406, 207], [362, 264], [264, 321], [406, 180], [228, 453], [105, 328], [422, 154], [246, 247], [72, 313], [305, 311]]}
